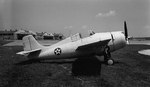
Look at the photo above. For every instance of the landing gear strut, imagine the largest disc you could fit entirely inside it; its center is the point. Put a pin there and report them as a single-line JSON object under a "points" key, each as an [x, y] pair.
{"points": [[107, 56]]}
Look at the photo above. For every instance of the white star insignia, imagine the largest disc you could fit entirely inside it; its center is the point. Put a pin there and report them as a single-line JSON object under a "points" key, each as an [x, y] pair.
{"points": [[57, 51]]}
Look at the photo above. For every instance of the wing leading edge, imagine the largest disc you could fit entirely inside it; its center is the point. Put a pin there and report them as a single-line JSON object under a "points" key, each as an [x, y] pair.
{"points": [[96, 44]]}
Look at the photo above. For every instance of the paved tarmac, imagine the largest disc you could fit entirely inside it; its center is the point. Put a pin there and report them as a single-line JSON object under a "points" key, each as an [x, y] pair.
{"points": [[140, 42], [143, 52]]}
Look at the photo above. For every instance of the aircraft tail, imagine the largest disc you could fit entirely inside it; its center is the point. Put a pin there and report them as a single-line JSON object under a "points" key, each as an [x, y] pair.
{"points": [[29, 43], [31, 47]]}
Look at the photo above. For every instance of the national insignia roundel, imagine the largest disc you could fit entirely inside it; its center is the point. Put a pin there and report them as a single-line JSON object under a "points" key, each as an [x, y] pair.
{"points": [[57, 51]]}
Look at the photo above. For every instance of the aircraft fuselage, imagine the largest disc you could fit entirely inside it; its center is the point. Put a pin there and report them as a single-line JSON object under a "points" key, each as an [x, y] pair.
{"points": [[70, 49]]}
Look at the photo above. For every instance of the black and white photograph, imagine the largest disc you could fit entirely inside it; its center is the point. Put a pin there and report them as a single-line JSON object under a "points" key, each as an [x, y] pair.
{"points": [[74, 43]]}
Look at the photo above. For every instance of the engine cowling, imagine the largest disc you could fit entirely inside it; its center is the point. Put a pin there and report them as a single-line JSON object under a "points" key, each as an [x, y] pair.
{"points": [[118, 40]]}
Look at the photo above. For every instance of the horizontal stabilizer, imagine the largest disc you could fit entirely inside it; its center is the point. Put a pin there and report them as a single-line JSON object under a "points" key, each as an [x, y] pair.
{"points": [[27, 53], [91, 45]]}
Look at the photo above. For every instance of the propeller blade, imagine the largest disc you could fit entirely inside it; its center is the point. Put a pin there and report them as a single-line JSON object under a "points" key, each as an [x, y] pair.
{"points": [[125, 30]]}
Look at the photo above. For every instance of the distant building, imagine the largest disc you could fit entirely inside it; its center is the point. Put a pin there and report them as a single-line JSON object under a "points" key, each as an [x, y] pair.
{"points": [[21, 33], [50, 36], [7, 35], [58, 36], [15, 34], [39, 36], [47, 36]]}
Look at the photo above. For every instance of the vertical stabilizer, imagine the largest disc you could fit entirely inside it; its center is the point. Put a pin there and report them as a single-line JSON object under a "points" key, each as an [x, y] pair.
{"points": [[29, 43]]}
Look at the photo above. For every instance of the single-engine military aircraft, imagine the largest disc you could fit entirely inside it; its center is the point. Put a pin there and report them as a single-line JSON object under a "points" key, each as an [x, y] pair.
{"points": [[97, 44]]}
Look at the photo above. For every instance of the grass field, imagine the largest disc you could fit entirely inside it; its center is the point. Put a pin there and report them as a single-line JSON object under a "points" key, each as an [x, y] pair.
{"points": [[131, 70]]}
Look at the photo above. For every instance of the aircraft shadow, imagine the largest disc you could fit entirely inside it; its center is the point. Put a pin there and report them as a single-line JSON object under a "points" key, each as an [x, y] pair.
{"points": [[86, 67], [89, 66], [32, 61]]}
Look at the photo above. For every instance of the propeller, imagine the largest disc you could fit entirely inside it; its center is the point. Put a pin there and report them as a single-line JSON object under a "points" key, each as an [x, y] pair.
{"points": [[126, 32]]}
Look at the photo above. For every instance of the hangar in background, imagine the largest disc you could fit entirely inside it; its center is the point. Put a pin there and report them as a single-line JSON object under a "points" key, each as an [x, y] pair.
{"points": [[7, 35], [49, 36], [19, 34], [15, 34]]}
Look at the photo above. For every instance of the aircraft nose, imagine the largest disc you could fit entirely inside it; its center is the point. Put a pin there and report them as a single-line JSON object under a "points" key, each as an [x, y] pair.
{"points": [[119, 40]]}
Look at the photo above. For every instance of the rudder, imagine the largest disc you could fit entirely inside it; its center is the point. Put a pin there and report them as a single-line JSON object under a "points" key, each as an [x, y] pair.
{"points": [[29, 43]]}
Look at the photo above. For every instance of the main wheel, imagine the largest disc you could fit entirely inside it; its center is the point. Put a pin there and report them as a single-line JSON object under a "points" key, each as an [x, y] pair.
{"points": [[110, 62]]}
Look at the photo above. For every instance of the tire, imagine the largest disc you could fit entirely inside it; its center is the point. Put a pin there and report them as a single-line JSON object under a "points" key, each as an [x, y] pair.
{"points": [[110, 62]]}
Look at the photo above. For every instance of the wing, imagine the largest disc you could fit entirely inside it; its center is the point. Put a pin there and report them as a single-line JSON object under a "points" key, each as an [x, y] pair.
{"points": [[92, 45]]}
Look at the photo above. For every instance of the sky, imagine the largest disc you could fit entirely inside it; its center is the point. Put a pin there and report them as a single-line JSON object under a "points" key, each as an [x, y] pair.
{"points": [[73, 16]]}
